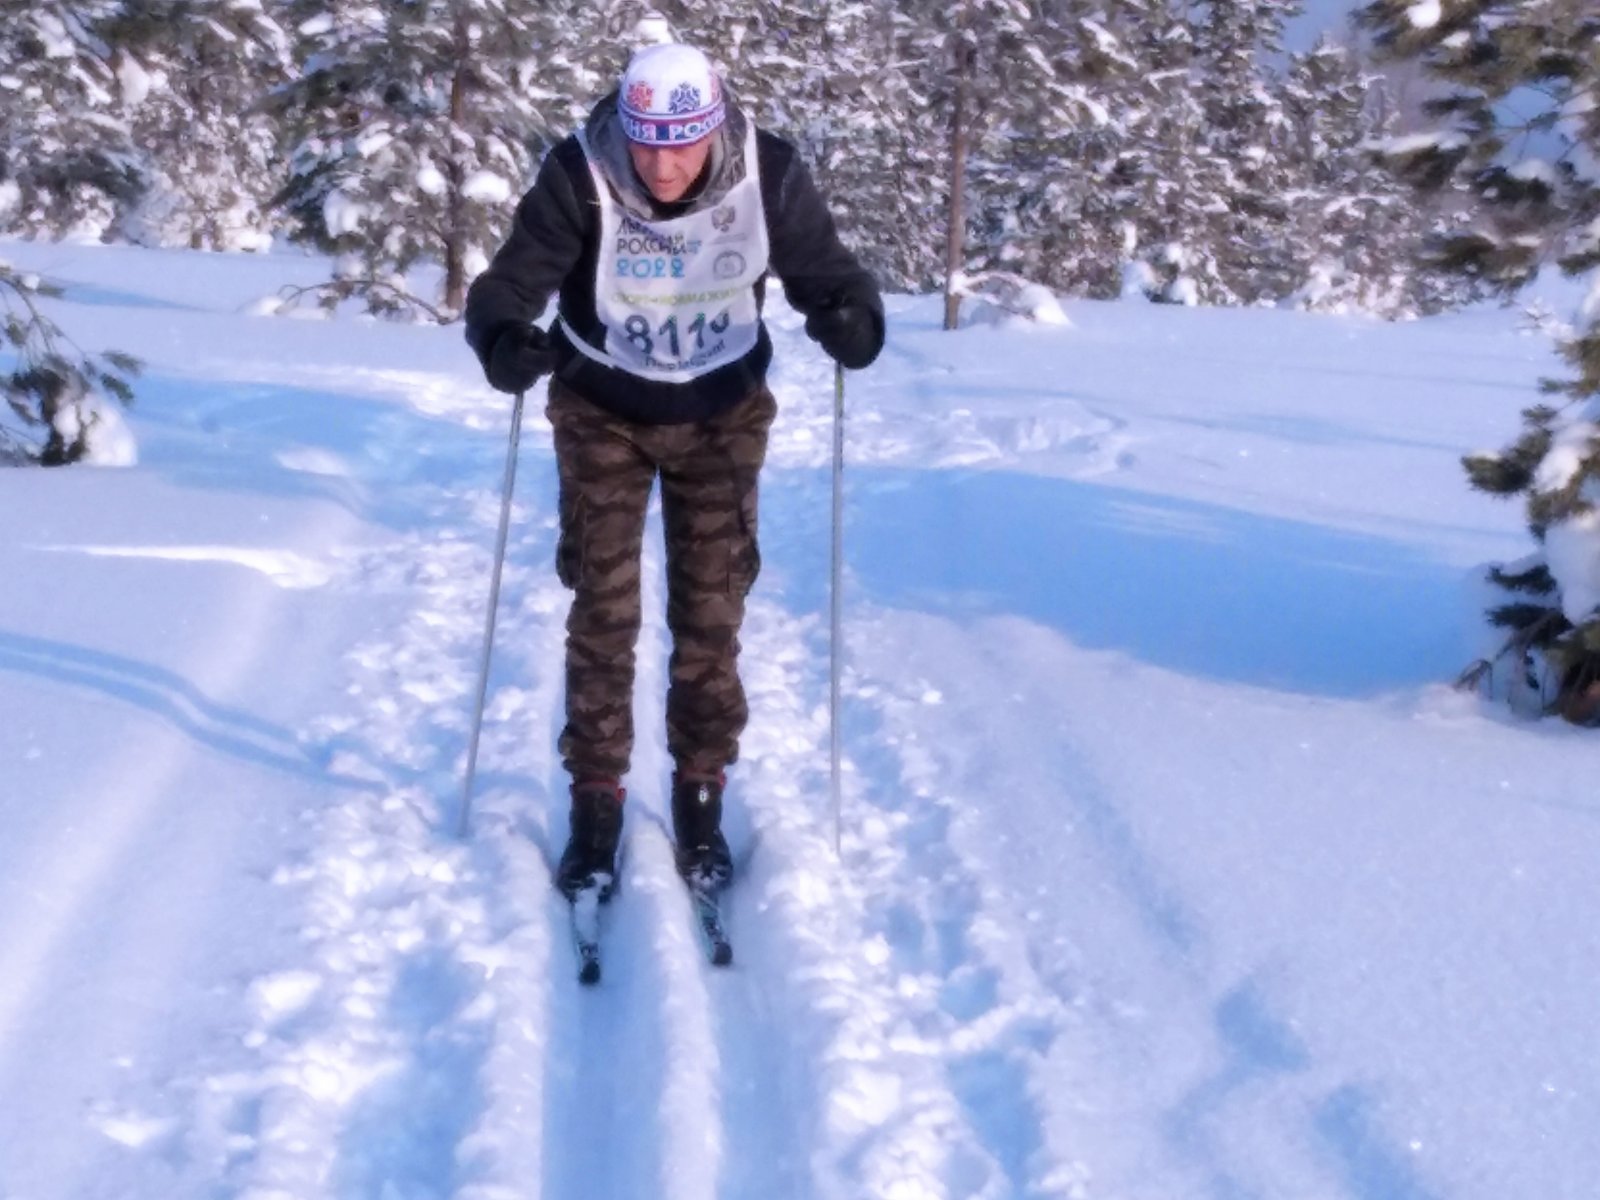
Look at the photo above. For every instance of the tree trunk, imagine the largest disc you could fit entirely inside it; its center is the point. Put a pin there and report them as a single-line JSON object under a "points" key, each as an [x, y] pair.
{"points": [[455, 258], [955, 237]]}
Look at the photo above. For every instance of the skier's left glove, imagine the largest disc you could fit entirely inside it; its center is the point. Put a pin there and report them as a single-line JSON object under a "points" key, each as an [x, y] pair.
{"points": [[849, 331]]}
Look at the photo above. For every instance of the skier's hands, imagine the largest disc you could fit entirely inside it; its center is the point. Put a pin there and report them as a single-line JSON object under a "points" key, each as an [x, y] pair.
{"points": [[850, 332], [520, 355]]}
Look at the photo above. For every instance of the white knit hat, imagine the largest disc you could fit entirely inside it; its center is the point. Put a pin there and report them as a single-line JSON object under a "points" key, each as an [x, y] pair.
{"points": [[671, 97]]}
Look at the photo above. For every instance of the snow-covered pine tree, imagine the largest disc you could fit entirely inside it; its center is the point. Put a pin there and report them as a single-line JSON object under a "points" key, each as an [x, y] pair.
{"points": [[824, 75], [884, 154], [986, 76], [1166, 176], [1034, 149], [777, 57], [415, 125], [1243, 148], [191, 76], [1064, 148], [898, 195], [575, 54], [1356, 230], [67, 162], [1520, 133]]}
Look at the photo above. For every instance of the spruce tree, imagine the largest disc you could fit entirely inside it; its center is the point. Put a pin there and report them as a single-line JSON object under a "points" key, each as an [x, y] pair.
{"points": [[1519, 133], [414, 128], [995, 108], [1356, 230], [1245, 143], [193, 76], [1071, 228], [826, 76], [1167, 176], [1050, 148], [68, 166]]}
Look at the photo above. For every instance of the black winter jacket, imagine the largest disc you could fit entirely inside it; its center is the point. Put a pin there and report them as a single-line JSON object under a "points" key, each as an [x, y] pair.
{"points": [[554, 248]]}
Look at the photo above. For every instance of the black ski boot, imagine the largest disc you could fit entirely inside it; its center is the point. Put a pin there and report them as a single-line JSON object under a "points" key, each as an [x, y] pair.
{"points": [[590, 859], [703, 857]]}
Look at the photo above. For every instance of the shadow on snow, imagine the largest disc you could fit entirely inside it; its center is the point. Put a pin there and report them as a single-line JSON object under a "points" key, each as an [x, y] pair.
{"points": [[1187, 586], [167, 695]]}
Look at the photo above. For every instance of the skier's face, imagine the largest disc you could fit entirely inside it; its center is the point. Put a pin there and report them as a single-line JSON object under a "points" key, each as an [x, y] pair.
{"points": [[669, 171]]}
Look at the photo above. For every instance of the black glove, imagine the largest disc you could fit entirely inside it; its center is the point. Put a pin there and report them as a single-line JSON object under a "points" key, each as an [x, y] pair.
{"points": [[519, 356], [851, 333]]}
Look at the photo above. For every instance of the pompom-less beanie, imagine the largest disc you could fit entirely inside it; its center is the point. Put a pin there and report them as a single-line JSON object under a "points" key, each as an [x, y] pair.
{"points": [[671, 97]]}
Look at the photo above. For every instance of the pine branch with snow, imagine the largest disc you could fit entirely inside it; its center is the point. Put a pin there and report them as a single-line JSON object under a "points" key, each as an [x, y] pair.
{"points": [[1519, 134], [62, 402]]}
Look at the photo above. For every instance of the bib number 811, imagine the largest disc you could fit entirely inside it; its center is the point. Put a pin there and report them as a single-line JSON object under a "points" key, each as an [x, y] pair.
{"points": [[639, 332]]}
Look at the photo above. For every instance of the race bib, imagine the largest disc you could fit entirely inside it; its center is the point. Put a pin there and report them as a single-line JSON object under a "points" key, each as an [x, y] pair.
{"points": [[677, 298]]}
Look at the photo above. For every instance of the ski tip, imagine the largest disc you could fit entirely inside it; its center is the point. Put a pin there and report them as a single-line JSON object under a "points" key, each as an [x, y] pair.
{"points": [[589, 973], [722, 955]]}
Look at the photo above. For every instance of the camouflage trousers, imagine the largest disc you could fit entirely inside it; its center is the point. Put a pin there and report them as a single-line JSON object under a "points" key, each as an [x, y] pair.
{"points": [[708, 473]]}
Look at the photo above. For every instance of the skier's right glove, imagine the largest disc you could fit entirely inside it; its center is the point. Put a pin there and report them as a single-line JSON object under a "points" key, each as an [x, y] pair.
{"points": [[850, 332], [520, 355]]}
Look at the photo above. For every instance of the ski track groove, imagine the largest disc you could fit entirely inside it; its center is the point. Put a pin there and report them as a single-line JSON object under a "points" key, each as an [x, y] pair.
{"points": [[693, 1135], [632, 1068]]}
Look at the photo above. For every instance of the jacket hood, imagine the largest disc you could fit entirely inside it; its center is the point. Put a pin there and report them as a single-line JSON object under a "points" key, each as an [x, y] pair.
{"points": [[724, 169]]}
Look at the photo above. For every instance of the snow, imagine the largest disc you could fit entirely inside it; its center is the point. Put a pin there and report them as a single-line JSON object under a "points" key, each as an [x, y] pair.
{"points": [[1171, 867], [1184, 291], [374, 142], [134, 80], [431, 180], [1105, 42], [1425, 14], [108, 440], [652, 29], [1138, 279], [487, 187], [1535, 170], [1321, 288], [1572, 549], [53, 34], [1442, 141], [1570, 446], [342, 213]]}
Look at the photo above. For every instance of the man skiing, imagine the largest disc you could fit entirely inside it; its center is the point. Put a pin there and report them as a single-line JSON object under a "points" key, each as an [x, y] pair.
{"points": [[656, 225]]}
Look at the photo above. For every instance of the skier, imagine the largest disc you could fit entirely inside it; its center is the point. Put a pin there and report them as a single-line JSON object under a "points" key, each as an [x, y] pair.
{"points": [[656, 225]]}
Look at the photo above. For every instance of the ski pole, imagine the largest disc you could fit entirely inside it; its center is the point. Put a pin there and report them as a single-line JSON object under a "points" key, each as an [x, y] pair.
{"points": [[465, 827], [835, 636]]}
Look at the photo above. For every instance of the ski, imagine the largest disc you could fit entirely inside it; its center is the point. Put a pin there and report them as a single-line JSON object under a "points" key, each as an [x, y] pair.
{"points": [[586, 934], [708, 919], [705, 894]]}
